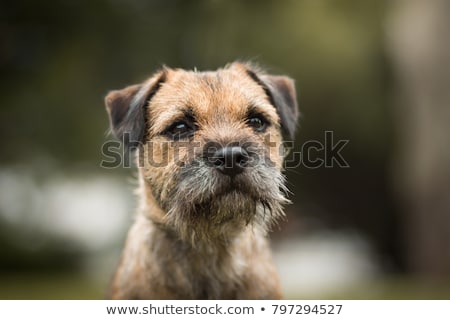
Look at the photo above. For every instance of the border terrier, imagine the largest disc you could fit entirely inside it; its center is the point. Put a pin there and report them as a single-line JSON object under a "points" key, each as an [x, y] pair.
{"points": [[209, 148]]}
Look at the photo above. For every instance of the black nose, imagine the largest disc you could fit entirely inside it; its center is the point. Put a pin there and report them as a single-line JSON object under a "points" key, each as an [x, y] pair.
{"points": [[230, 160]]}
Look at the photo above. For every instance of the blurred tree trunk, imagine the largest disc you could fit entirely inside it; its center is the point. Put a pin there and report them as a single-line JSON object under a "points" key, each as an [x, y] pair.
{"points": [[419, 43]]}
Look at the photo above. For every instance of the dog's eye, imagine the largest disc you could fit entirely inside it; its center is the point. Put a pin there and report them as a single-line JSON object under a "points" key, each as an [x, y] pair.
{"points": [[258, 123], [179, 129]]}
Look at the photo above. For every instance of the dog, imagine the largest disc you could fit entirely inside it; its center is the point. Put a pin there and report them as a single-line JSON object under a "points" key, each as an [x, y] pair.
{"points": [[210, 150]]}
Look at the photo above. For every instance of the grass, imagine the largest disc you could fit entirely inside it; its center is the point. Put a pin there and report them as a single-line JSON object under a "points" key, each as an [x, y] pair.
{"points": [[397, 288], [78, 286], [54, 287]]}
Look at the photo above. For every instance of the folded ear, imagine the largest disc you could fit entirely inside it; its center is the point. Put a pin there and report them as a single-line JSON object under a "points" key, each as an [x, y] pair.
{"points": [[281, 93], [283, 96], [127, 109]]}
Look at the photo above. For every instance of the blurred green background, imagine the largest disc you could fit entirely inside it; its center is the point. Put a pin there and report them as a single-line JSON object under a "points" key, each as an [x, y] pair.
{"points": [[375, 73]]}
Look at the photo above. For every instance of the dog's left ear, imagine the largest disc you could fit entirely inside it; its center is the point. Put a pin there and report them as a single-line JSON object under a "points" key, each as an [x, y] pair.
{"points": [[280, 90], [127, 109]]}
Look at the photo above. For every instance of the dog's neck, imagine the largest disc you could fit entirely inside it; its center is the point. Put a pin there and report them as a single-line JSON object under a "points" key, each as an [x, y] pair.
{"points": [[211, 269]]}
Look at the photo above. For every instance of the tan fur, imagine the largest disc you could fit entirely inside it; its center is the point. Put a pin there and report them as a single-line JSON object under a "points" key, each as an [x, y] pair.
{"points": [[191, 239]]}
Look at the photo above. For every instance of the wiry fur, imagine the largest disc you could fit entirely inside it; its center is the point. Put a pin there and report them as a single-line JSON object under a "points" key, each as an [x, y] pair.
{"points": [[200, 234], [255, 197]]}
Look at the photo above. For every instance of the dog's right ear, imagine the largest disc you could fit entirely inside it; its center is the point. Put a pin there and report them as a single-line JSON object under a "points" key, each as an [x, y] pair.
{"points": [[127, 109]]}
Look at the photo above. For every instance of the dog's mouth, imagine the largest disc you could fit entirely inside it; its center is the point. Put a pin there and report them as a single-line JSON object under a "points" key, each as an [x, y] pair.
{"points": [[242, 185], [199, 186], [233, 191], [204, 203]]}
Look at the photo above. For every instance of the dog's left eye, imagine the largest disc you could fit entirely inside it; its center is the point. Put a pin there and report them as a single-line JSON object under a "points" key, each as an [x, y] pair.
{"points": [[258, 123], [179, 129]]}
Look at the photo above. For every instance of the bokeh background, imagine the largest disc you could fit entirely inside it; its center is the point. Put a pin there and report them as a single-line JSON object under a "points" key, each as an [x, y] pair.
{"points": [[375, 73]]}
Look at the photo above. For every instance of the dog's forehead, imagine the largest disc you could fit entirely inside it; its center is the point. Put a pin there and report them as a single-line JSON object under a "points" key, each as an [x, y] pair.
{"points": [[226, 92]]}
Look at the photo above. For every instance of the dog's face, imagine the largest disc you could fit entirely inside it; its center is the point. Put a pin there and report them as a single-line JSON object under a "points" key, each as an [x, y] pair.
{"points": [[210, 145]]}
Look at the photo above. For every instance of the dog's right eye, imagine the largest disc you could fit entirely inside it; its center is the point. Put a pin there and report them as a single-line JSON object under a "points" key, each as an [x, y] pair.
{"points": [[179, 129]]}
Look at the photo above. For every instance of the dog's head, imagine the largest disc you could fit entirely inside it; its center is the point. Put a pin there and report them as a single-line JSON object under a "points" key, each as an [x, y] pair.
{"points": [[210, 145]]}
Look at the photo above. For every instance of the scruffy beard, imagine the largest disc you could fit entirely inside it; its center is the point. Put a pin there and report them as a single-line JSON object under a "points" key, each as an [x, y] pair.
{"points": [[207, 206]]}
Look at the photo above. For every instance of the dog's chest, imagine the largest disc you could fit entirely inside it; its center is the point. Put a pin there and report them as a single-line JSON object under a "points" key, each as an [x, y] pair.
{"points": [[208, 274]]}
